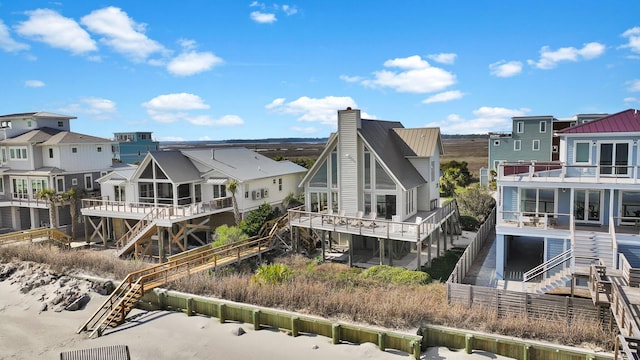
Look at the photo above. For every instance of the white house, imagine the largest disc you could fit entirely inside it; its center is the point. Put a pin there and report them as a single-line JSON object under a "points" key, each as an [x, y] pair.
{"points": [[188, 189], [375, 181], [38, 151]]}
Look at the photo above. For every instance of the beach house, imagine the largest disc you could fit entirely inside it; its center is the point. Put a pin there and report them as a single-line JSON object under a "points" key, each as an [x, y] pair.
{"points": [[132, 147]]}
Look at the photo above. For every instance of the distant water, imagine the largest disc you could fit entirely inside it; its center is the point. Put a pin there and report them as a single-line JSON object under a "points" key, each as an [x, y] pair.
{"points": [[205, 143]]}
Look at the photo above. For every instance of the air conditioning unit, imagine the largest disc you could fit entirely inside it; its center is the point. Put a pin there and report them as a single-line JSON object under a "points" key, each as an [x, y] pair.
{"points": [[256, 195], [265, 193]]}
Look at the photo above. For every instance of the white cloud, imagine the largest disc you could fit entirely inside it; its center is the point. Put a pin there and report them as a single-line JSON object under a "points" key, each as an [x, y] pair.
{"points": [[121, 33], [205, 138], [176, 107], [350, 79], [97, 108], [634, 39], [444, 97], [191, 63], [177, 101], [57, 31], [170, 138], [631, 100], [417, 76], [263, 18], [33, 83], [486, 119], [503, 68], [206, 120], [289, 10], [321, 110], [634, 85], [443, 58], [304, 130], [549, 59], [6, 41]]}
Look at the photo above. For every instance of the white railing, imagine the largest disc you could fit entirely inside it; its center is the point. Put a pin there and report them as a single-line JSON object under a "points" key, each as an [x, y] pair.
{"points": [[525, 219], [539, 171], [545, 267], [145, 208]]}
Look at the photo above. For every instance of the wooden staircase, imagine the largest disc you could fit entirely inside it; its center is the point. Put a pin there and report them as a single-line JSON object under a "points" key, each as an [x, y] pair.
{"points": [[141, 230], [116, 307]]}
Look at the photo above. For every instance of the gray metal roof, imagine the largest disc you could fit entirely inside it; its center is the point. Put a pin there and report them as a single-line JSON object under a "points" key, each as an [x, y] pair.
{"points": [[242, 164], [390, 149], [68, 137], [33, 136], [175, 165], [38, 114]]}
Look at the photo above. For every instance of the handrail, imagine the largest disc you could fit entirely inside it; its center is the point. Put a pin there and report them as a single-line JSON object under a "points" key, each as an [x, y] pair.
{"points": [[547, 266], [29, 235], [125, 239]]}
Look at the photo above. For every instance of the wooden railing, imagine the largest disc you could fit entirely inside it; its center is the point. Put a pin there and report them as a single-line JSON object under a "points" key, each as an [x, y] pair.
{"points": [[599, 284], [36, 234], [127, 239], [623, 313]]}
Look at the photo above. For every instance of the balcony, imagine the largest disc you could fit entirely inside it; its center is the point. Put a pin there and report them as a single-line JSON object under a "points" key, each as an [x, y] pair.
{"points": [[559, 172]]}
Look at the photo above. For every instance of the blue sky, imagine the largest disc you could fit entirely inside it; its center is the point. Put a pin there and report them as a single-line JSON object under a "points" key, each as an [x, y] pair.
{"points": [[228, 69]]}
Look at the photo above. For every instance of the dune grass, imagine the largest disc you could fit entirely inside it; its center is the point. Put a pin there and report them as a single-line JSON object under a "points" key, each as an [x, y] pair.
{"points": [[334, 291]]}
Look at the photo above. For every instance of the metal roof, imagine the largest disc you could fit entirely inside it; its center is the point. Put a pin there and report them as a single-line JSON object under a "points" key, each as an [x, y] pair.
{"points": [[175, 165], [68, 137], [420, 142], [33, 136], [42, 114], [390, 149], [622, 122], [242, 164]]}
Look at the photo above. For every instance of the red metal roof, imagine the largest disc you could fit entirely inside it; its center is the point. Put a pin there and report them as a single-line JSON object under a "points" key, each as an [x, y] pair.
{"points": [[624, 121]]}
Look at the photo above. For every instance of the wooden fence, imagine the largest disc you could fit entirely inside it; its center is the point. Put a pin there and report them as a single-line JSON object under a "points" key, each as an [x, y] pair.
{"points": [[471, 252], [515, 303]]}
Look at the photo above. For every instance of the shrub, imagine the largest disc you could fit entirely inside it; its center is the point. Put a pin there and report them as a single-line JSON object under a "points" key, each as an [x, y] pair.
{"points": [[227, 235], [469, 223], [476, 201], [396, 275], [256, 218], [272, 274]]}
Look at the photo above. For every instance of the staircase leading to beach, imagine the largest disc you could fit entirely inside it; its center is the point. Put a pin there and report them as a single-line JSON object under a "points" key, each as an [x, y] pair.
{"points": [[117, 306], [141, 230]]}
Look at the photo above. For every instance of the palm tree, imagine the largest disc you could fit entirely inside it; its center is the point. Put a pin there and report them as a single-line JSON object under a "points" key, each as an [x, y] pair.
{"points": [[72, 195], [50, 196], [232, 186]]}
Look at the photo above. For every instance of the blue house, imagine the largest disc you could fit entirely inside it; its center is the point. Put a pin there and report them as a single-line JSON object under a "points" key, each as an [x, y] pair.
{"points": [[131, 147]]}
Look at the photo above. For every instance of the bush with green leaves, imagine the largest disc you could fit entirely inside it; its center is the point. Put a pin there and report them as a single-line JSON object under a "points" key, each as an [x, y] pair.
{"points": [[272, 274], [476, 201], [396, 275], [228, 234], [255, 219]]}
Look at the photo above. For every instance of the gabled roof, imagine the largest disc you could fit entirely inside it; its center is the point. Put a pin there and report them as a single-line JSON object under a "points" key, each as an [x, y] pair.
{"points": [[38, 114], [242, 164], [384, 141], [174, 164], [68, 137], [33, 136], [420, 142], [623, 122]]}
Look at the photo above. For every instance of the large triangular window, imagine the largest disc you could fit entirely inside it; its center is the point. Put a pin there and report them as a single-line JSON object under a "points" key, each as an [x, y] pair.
{"points": [[160, 174], [147, 173], [319, 179], [383, 180]]}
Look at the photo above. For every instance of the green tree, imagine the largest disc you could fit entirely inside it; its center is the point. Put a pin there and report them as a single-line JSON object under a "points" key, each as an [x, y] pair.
{"points": [[255, 219], [232, 187], [51, 198], [476, 201], [228, 234], [291, 201], [72, 196], [454, 174]]}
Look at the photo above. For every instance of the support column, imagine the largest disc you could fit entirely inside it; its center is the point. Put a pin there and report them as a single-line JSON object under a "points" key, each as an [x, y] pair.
{"points": [[185, 235], [161, 238], [103, 222], [419, 257], [437, 233], [35, 218], [350, 251], [381, 248], [500, 257], [444, 233], [324, 237], [391, 244], [15, 218], [86, 230], [429, 250]]}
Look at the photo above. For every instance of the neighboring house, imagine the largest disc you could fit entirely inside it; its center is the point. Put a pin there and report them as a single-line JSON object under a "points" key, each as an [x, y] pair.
{"points": [[132, 147], [182, 194], [532, 138], [374, 181], [585, 205], [38, 152]]}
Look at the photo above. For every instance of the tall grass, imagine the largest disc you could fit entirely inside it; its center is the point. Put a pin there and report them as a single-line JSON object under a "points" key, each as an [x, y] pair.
{"points": [[338, 292]]}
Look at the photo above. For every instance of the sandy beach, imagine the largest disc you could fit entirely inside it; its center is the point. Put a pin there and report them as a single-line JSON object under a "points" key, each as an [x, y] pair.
{"points": [[27, 332]]}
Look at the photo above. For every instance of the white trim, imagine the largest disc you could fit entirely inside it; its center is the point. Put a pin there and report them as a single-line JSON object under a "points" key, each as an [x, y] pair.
{"points": [[57, 188], [90, 177], [519, 145], [543, 126], [533, 145], [519, 127], [575, 152]]}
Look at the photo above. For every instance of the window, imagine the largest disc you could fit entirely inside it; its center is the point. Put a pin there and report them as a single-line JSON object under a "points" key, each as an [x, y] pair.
{"points": [[18, 153], [535, 145], [383, 180], [50, 153], [554, 148], [20, 188], [320, 177], [520, 127], [1, 186], [496, 142], [74, 150], [29, 123], [4, 155], [280, 184], [59, 184], [367, 169], [99, 149], [74, 182], [543, 126], [516, 145], [88, 181], [582, 153], [219, 191], [334, 169], [60, 123]]}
